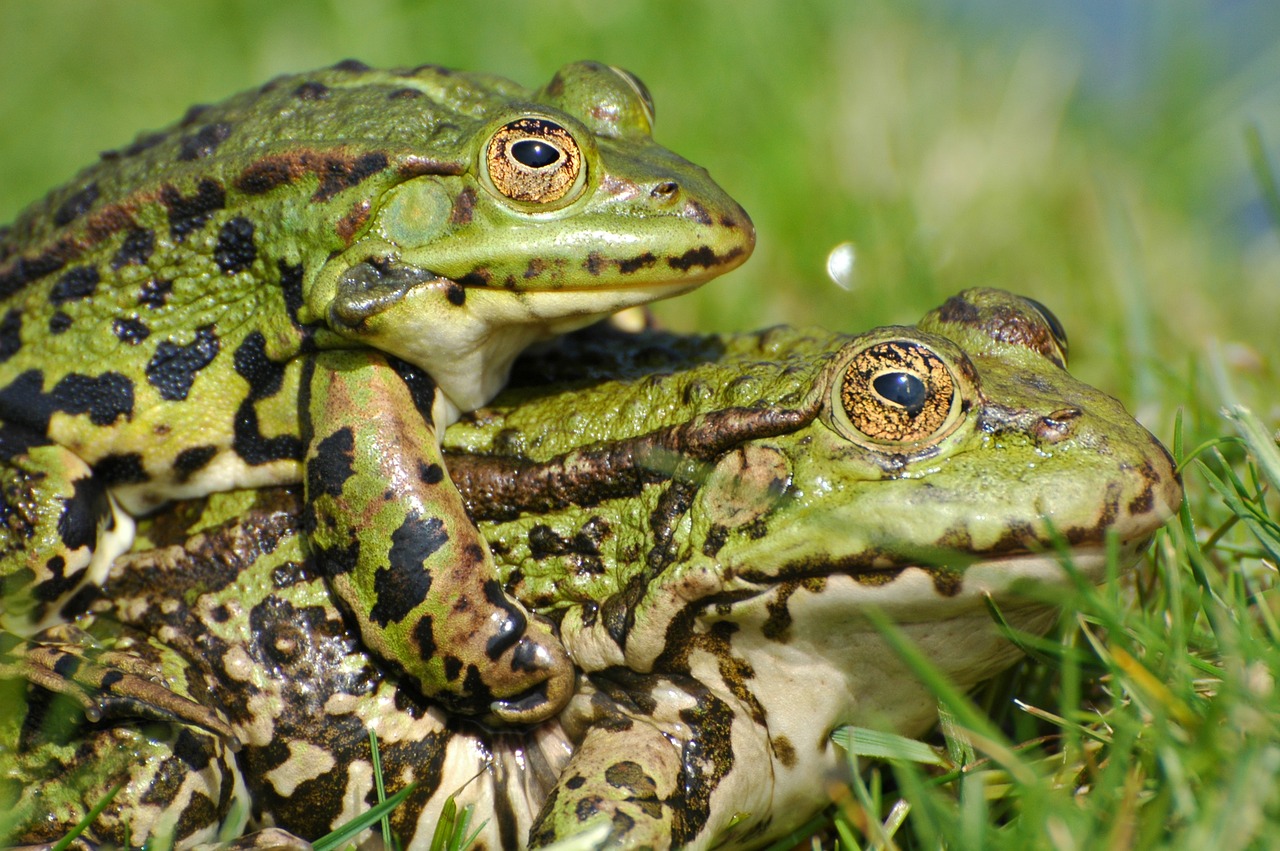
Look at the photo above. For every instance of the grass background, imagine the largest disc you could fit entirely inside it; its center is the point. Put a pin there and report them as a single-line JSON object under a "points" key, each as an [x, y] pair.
{"points": [[1094, 155]]}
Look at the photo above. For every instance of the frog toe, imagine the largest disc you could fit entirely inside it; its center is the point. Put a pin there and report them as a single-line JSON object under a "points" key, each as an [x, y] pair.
{"points": [[537, 653]]}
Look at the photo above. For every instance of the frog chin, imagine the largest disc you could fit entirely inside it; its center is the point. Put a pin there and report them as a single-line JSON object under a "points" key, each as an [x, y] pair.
{"points": [[468, 348]]}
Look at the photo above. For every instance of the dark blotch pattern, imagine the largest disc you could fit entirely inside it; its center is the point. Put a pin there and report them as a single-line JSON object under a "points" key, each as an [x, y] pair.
{"points": [[172, 369], [192, 460], [422, 390], [155, 293], [136, 248], [81, 512], [513, 628], [235, 250], [123, 469], [10, 334], [130, 330], [330, 468], [75, 284], [75, 206], [59, 322], [311, 90], [406, 582], [204, 142], [105, 398], [265, 378], [189, 213]]}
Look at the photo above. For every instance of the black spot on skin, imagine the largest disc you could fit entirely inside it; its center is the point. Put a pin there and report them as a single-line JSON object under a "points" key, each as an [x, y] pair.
{"points": [[594, 264], [155, 293], [716, 536], [404, 94], [464, 207], [291, 288], [456, 295], [123, 469], [59, 322], [512, 629], [235, 250], [353, 66], [130, 330], [422, 390], [193, 114], [637, 263], [575, 782], [311, 90], [330, 468], [431, 474], [188, 214], [703, 257], [425, 638], [337, 561], [10, 334], [75, 206], [344, 174], [204, 142], [255, 449], [478, 278], [75, 284], [78, 522], [172, 369], [136, 248], [105, 398], [191, 750], [264, 375], [700, 214], [405, 582], [66, 666], [25, 270], [192, 460]]}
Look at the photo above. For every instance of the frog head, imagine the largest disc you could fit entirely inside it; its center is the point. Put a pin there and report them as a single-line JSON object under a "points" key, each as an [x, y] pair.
{"points": [[557, 208]]}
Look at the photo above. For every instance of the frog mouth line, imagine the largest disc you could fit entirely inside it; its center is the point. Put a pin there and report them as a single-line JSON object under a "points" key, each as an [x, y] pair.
{"points": [[953, 579], [712, 265]]}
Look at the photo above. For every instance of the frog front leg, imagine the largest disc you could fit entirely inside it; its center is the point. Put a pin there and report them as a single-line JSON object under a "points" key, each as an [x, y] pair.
{"points": [[388, 528], [60, 529]]}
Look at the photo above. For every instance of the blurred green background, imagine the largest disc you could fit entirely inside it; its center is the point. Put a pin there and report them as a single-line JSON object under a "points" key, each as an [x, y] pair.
{"points": [[1090, 154]]}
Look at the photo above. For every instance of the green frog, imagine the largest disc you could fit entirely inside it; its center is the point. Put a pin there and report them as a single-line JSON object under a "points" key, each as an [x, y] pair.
{"points": [[306, 284], [706, 535]]}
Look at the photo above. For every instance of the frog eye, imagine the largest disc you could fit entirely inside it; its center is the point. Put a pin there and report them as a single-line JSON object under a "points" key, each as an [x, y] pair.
{"points": [[641, 90], [1054, 325], [896, 394], [534, 160]]}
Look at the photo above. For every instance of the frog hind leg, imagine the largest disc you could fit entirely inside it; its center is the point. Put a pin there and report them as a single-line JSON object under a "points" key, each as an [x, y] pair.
{"points": [[105, 683], [388, 528], [60, 529], [175, 782]]}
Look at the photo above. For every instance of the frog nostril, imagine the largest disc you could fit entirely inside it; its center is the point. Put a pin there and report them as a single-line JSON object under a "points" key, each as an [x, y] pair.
{"points": [[666, 190]]}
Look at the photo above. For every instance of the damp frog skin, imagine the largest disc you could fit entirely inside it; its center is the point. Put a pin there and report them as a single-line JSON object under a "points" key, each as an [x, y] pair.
{"points": [[305, 284], [706, 537]]}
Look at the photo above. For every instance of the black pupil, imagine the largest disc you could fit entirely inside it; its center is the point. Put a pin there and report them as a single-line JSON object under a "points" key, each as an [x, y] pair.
{"points": [[534, 154], [902, 388]]}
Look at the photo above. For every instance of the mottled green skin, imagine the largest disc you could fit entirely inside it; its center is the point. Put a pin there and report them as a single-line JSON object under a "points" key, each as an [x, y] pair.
{"points": [[706, 545], [305, 283]]}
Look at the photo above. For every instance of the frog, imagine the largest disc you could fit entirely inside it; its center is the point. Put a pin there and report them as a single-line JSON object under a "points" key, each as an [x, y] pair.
{"points": [[709, 533], [307, 283]]}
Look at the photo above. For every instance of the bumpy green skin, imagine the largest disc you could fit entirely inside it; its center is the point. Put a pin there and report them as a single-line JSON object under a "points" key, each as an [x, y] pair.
{"points": [[706, 544], [305, 283]]}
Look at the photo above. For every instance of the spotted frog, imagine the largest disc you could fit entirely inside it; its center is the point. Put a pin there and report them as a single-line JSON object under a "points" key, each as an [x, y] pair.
{"points": [[306, 284], [706, 536]]}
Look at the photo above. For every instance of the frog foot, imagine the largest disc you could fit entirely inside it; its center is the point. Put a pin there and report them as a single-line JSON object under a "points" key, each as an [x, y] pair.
{"points": [[104, 683], [539, 651]]}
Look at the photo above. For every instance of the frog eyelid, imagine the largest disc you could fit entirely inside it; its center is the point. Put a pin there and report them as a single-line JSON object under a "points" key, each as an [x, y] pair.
{"points": [[535, 162], [896, 394]]}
